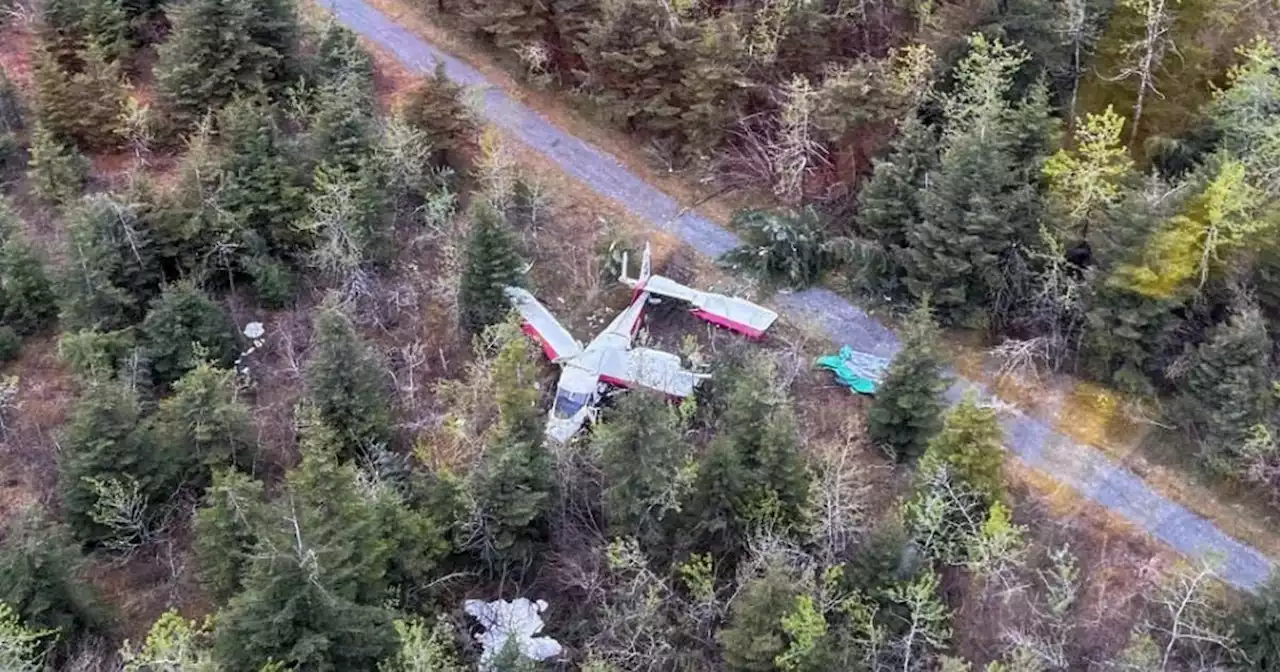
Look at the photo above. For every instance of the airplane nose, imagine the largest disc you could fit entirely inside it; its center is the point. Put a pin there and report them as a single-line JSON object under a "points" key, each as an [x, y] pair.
{"points": [[561, 431]]}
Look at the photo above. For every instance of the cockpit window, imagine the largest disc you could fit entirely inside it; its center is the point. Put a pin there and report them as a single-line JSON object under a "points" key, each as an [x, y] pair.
{"points": [[569, 403]]}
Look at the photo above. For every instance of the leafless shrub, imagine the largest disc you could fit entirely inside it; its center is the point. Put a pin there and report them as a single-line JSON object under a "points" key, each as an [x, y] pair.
{"points": [[1022, 359], [9, 403], [839, 502]]}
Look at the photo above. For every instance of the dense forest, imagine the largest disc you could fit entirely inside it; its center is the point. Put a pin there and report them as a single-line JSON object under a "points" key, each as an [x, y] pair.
{"points": [[263, 406]]}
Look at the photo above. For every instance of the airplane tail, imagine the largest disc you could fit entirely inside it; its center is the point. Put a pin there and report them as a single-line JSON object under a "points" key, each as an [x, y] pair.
{"points": [[646, 268]]}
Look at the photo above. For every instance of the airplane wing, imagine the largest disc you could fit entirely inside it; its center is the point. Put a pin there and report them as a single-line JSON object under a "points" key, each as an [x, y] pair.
{"points": [[542, 326], [730, 312], [654, 369]]}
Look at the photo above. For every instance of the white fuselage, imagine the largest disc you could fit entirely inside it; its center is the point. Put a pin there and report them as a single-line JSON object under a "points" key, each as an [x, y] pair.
{"points": [[580, 387]]}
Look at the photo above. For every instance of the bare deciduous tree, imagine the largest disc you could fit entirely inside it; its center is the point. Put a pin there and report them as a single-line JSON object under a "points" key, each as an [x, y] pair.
{"points": [[1146, 54]]}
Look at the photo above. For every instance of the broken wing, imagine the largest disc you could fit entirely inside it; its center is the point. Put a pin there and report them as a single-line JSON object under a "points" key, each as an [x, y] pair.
{"points": [[729, 312]]}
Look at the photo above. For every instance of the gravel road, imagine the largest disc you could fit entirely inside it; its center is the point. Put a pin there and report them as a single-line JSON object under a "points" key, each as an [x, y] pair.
{"points": [[1082, 467]]}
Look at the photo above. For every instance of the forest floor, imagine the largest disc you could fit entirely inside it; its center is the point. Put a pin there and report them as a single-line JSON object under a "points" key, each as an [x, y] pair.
{"points": [[1068, 435]]}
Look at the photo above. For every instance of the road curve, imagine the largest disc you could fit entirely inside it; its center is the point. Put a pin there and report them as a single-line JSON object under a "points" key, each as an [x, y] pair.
{"points": [[1038, 444]]}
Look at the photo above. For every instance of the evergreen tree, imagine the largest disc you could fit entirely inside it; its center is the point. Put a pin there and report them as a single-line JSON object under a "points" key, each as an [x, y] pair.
{"points": [[12, 122], [226, 528], [491, 265], [40, 578], [26, 295], [202, 426], [71, 26], [785, 247], [339, 56], [315, 574], [55, 97], [1228, 390], [509, 24], [907, 409], [100, 101], [12, 111], [981, 208], [514, 485], [635, 58], [57, 172], [712, 96], [343, 128], [1257, 628], [288, 614], [889, 204], [753, 475], [753, 637], [346, 383], [642, 455], [104, 442], [434, 106], [273, 28], [260, 188], [83, 107], [210, 57], [970, 446], [182, 327]]}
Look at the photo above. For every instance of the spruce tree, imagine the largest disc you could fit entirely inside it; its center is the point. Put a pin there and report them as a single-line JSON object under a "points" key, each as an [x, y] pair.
{"points": [[782, 246], [12, 112], [346, 383], [434, 106], [100, 98], [226, 529], [509, 24], [202, 426], [273, 27], [514, 485], [182, 326], [1257, 627], [104, 441], [12, 122], [711, 96], [754, 637], [112, 271], [1228, 389], [260, 187], [27, 302], [210, 57], [57, 172], [84, 107], [889, 205], [636, 60], [490, 266], [642, 455], [40, 578], [316, 575], [70, 26], [970, 446], [753, 477], [907, 409], [344, 128], [980, 210], [339, 55], [55, 96]]}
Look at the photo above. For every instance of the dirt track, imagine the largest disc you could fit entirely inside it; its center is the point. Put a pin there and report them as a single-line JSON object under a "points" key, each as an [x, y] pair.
{"points": [[1039, 445]]}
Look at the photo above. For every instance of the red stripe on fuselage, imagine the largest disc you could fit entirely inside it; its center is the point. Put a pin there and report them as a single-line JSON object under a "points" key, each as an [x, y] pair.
{"points": [[720, 320], [616, 382]]}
